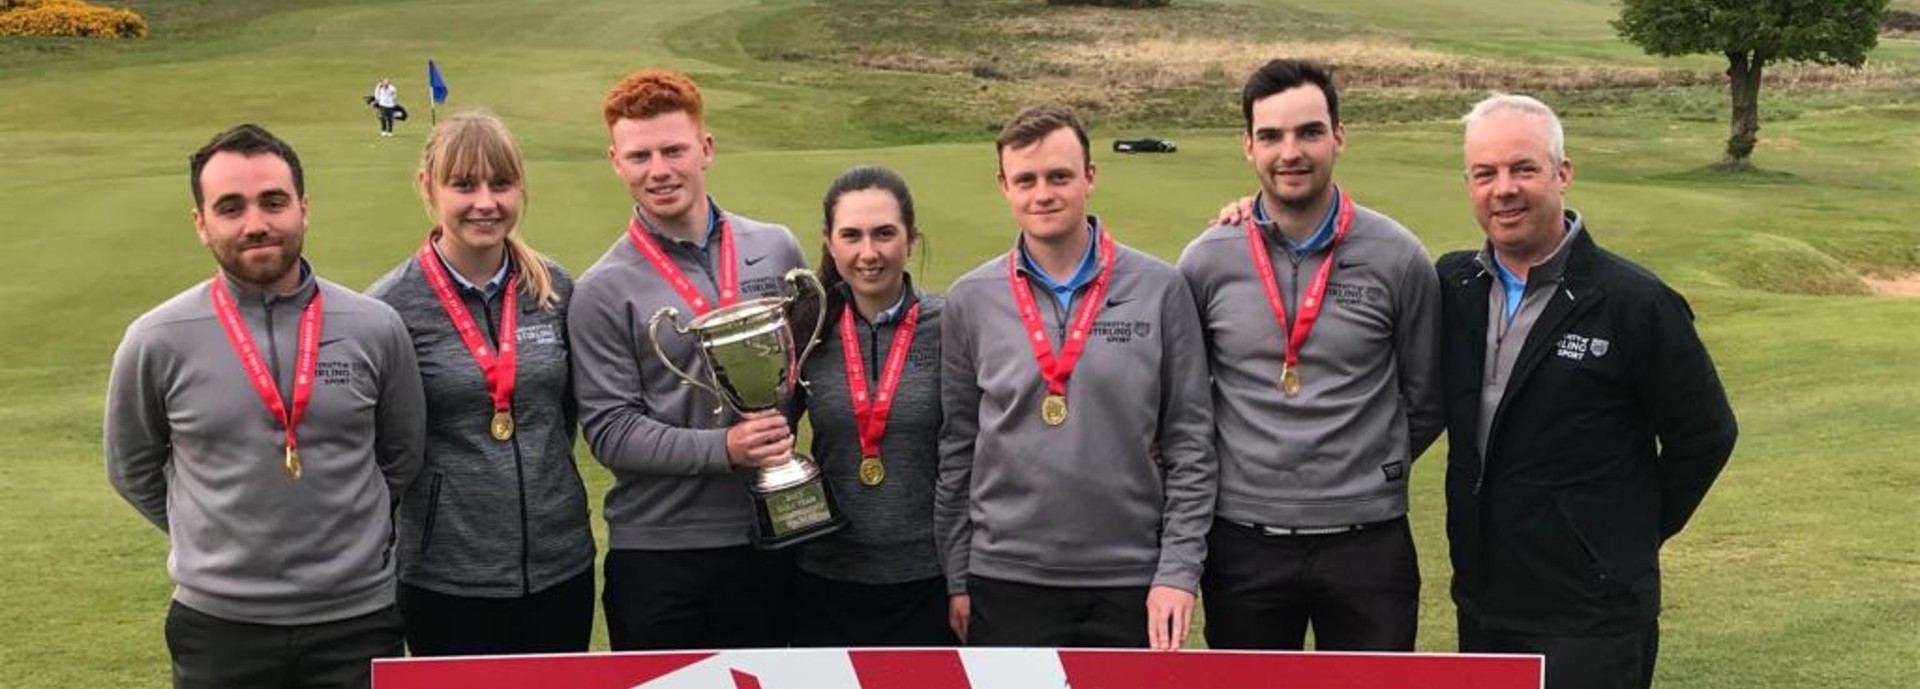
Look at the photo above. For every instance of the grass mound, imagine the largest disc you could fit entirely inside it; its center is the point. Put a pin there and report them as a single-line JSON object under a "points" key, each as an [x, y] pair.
{"points": [[1784, 265]]}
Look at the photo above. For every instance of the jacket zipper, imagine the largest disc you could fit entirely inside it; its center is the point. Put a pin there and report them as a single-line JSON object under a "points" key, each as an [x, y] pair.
{"points": [[1480, 477], [273, 350], [519, 465]]}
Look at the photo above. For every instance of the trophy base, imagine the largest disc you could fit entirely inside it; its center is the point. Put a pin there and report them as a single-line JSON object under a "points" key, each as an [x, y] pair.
{"points": [[792, 505]]}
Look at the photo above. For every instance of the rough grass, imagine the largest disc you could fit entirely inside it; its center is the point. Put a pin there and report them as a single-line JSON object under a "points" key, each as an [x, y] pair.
{"points": [[1169, 67]]}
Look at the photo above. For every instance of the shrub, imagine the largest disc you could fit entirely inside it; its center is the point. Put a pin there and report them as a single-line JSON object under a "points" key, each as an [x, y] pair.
{"points": [[68, 18]]}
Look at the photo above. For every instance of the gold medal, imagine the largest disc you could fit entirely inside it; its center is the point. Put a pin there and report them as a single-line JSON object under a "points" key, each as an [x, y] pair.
{"points": [[293, 464], [1290, 380], [1054, 410], [502, 425], [872, 472]]}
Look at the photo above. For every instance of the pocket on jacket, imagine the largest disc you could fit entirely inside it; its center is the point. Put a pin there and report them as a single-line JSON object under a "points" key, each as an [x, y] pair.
{"points": [[433, 513], [1597, 571]]}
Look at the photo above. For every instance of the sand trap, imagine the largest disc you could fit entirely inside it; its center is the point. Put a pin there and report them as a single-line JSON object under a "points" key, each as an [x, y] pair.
{"points": [[1897, 286]]}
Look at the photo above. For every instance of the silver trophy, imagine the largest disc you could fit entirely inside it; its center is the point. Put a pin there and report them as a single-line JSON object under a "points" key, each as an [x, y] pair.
{"points": [[750, 356]]}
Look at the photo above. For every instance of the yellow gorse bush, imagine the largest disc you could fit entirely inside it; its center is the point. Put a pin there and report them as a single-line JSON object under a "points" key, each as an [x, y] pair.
{"points": [[68, 18]]}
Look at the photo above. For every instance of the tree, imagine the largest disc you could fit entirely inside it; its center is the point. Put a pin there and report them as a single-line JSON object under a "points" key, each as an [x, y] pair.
{"points": [[1752, 34]]}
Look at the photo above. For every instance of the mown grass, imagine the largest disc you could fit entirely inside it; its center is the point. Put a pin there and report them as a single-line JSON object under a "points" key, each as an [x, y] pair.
{"points": [[1800, 570]]}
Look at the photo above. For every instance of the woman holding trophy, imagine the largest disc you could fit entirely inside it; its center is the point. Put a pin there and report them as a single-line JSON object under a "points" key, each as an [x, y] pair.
{"points": [[496, 555], [874, 403]]}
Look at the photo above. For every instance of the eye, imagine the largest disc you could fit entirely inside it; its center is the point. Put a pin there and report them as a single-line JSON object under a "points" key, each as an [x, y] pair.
{"points": [[499, 185]]}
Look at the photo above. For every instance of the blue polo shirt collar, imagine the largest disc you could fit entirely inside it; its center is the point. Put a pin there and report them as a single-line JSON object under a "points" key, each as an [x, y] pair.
{"points": [[1083, 275], [1320, 237], [713, 224]]}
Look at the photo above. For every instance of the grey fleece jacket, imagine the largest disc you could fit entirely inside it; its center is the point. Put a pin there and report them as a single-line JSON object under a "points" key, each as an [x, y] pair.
{"points": [[189, 443], [1340, 452], [1086, 503], [889, 534], [489, 518], [673, 488]]}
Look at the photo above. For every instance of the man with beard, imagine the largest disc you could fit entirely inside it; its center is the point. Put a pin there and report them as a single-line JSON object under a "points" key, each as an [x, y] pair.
{"points": [[1322, 324], [679, 570], [266, 419]]}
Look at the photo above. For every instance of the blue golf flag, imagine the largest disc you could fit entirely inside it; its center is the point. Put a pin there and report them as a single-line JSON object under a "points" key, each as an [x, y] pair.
{"points": [[436, 82]]}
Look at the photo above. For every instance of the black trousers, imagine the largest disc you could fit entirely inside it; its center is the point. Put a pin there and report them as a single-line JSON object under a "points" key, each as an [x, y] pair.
{"points": [[556, 620], [216, 653], [1007, 613], [827, 612], [1616, 661], [660, 600], [1359, 591], [386, 119]]}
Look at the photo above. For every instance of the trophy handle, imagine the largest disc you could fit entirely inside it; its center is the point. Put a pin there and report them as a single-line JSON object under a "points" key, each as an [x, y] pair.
{"points": [[653, 325], [794, 278]]}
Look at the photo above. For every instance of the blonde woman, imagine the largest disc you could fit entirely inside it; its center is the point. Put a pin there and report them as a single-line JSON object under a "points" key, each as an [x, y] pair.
{"points": [[495, 552]]}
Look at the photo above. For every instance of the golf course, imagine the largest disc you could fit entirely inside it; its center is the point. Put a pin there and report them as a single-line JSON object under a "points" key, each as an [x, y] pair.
{"points": [[1801, 569]]}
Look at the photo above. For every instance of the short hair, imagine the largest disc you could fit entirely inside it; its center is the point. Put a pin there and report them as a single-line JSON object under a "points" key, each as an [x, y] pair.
{"points": [[1035, 122], [651, 93], [248, 140], [1521, 105], [1284, 74]]}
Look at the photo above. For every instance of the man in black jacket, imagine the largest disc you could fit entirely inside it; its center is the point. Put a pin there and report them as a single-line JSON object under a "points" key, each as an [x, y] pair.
{"points": [[1585, 418]]}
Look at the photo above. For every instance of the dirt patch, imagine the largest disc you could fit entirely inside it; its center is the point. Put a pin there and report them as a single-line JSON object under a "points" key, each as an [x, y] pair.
{"points": [[1907, 285]]}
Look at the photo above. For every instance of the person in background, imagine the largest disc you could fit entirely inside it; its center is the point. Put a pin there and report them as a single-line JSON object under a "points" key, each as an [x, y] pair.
{"points": [[386, 100], [496, 555]]}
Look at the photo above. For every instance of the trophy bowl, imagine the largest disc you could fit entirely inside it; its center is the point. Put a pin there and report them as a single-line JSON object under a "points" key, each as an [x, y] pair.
{"points": [[753, 365]]}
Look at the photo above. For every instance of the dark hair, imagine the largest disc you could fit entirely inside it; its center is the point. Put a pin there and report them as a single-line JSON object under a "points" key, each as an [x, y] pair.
{"points": [[247, 140], [1281, 75], [1035, 122], [858, 178]]}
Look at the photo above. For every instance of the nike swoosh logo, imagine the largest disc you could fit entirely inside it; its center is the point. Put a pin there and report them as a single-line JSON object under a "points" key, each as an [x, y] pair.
{"points": [[330, 340], [755, 259], [1343, 263], [1116, 302]]}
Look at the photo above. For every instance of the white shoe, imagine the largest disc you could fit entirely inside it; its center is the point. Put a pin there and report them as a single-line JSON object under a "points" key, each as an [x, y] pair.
{"points": [[386, 134]]}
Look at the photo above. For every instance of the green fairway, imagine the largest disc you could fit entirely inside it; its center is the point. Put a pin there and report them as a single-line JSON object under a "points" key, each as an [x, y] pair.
{"points": [[1802, 569]]}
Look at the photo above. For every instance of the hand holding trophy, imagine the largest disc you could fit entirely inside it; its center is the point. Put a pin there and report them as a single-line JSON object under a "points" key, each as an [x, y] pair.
{"points": [[753, 367]]}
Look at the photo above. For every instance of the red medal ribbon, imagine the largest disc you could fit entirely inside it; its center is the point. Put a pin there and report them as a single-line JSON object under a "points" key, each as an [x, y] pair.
{"points": [[256, 365], [499, 367], [1057, 369], [729, 277], [1309, 304], [870, 413]]}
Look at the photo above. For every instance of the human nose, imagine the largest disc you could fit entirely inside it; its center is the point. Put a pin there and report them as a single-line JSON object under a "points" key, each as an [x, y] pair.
{"points": [[657, 167], [1505, 184]]}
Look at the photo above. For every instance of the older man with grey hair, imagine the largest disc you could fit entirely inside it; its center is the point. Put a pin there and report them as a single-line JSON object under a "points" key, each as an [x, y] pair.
{"points": [[1585, 417]]}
